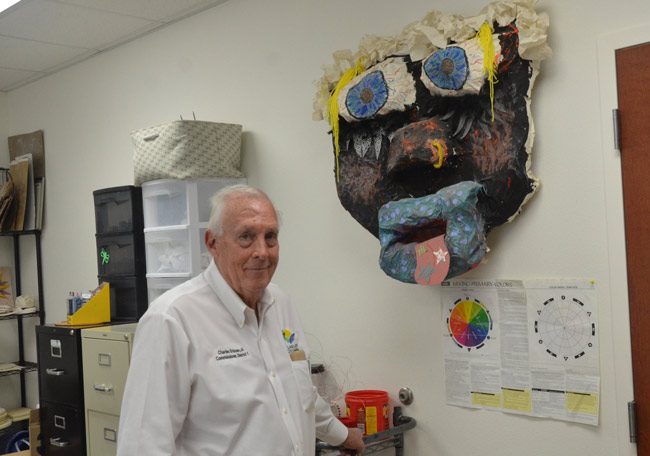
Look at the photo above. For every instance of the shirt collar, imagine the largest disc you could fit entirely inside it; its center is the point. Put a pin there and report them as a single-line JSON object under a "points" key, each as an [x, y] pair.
{"points": [[231, 300]]}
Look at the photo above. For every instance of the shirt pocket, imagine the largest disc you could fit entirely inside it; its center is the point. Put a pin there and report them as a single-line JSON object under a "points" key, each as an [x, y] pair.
{"points": [[231, 376], [306, 388]]}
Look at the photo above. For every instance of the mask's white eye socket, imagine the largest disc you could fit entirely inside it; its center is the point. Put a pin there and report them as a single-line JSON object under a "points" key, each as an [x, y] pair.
{"points": [[383, 88], [367, 96], [447, 68], [455, 70]]}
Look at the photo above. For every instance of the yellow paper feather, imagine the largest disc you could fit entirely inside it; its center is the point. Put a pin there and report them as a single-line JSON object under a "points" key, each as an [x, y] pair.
{"points": [[484, 37], [333, 107]]}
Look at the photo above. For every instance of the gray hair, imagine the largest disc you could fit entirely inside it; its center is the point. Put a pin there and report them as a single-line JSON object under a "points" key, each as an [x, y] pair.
{"points": [[219, 199]]}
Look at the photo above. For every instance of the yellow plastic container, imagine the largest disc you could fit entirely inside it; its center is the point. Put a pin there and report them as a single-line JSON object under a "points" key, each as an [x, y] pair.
{"points": [[96, 310]]}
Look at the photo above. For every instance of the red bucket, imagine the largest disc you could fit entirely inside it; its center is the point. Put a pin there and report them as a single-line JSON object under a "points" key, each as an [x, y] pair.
{"points": [[369, 409]]}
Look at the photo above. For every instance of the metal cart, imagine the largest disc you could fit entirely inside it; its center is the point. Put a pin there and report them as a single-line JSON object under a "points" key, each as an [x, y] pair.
{"points": [[392, 438]]}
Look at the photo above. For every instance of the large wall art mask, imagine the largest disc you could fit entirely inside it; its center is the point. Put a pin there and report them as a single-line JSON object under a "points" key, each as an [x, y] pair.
{"points": [[432, 134]]}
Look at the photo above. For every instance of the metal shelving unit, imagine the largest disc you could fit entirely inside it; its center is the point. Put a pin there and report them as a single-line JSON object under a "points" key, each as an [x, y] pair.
{"points": [[15, 316], [391, 438], [25, 366]]}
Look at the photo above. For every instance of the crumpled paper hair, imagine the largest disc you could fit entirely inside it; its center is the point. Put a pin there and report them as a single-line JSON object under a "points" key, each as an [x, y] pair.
{"points": [[436, 30]]}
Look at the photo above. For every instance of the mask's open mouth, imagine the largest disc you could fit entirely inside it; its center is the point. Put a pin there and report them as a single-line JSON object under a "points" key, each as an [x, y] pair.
{"points": [[445, 227], [423, 233]]}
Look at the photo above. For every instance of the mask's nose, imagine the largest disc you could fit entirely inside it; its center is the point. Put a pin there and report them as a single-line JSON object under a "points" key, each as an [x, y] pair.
{"points": [[418, 144]]}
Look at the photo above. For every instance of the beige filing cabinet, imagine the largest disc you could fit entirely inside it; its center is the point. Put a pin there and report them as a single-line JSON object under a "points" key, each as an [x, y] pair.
{"points": [[106, 357]]}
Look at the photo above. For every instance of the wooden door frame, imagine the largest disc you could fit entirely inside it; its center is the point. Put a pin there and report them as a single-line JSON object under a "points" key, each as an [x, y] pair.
{"points": [[618, 290]]}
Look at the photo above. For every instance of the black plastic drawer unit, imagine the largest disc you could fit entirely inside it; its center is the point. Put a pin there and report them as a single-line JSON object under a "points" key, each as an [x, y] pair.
{"points": [[118, 210], [62, 430], [129, 298], [59, 365], [121, 254]]}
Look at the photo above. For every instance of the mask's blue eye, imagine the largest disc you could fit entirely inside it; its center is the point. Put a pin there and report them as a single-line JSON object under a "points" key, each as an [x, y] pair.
{"points": [[368, 96], [447, 68]]}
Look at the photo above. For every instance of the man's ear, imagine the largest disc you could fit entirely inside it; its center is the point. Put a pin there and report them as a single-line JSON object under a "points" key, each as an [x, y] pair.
{"points": [[210, 241]]}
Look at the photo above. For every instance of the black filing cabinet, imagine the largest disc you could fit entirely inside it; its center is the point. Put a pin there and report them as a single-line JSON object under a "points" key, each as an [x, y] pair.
{"points": [[62, 430], [60, 376], [121, 260]]}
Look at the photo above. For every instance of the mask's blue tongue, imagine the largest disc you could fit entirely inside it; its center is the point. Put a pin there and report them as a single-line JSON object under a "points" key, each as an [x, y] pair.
{"points": [[464, 239]]}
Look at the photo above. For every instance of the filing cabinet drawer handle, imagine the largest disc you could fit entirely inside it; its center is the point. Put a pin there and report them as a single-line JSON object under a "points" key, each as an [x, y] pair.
{"points": [[58, 442], [103, 388], [54, 371]]}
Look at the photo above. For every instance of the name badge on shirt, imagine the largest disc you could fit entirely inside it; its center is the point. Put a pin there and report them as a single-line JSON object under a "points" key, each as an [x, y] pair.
{"points": [[231, 353]]}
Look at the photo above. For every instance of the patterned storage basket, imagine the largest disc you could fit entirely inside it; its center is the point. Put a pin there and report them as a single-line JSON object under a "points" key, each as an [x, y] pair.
{"points": [[185, 149]]}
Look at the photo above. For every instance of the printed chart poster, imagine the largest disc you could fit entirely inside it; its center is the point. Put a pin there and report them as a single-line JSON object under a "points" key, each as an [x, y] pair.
{"points": [[471, 341], [522, 347], [563, 330]]}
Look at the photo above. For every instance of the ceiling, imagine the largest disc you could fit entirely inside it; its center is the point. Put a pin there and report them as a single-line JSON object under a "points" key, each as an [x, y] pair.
{"points": [[41, 37]]}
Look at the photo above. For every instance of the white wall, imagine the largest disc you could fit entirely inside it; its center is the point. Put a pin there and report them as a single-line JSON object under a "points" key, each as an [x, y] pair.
{"points": [[4, 126], [253, 62]]}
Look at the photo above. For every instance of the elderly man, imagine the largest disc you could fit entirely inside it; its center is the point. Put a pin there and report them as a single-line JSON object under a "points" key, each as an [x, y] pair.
{"points": [[219, 365]]}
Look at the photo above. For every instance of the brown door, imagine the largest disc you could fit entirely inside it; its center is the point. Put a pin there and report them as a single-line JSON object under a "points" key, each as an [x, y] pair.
{"points": [[633, 86]]}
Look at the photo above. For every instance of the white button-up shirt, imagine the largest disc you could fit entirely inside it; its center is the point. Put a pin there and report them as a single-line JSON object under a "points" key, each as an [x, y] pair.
{"points": [[207, 379]]}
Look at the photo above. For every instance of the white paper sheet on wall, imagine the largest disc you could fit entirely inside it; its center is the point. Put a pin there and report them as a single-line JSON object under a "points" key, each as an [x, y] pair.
{"points": [[526, 347]]}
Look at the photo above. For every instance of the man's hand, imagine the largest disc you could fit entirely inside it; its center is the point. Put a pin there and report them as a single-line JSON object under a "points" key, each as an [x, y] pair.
{"points": [[354, 441]]}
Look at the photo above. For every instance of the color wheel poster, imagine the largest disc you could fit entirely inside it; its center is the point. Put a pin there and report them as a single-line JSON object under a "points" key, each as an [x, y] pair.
{"points": [[525, 347]]}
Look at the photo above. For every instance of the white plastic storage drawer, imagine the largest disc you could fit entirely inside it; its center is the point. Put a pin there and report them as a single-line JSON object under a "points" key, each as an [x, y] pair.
{"points": [[169, 251], [205, 189], [169, 202], [156, 286], [165, 203]]}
